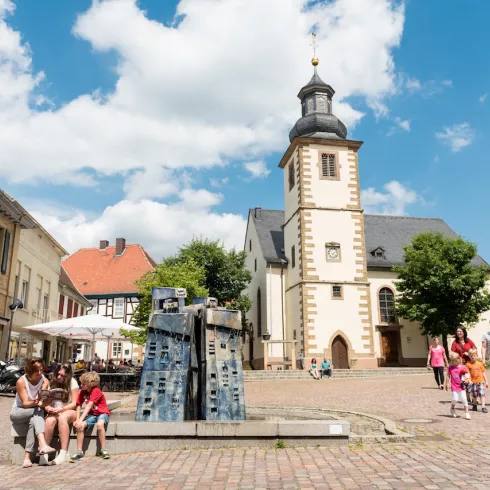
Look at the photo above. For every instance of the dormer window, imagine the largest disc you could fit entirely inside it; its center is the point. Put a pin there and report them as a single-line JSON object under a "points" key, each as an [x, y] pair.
{"points": [[379, 253]]}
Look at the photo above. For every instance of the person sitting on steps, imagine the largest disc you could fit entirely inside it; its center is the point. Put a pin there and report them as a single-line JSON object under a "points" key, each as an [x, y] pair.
{"points": [[28, 408], [65, 416], [326, 369]]}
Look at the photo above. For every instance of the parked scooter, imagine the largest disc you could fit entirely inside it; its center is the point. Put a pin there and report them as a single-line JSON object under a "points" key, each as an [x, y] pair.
{"points": [[9, 374]]}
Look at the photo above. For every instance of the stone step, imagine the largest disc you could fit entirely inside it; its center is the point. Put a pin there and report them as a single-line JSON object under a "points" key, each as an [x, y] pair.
{"points": [[337, 373]]}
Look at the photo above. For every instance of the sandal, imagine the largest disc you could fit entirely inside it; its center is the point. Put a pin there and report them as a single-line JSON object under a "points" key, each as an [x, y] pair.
{"points": [[46, 450], [27, 463]]}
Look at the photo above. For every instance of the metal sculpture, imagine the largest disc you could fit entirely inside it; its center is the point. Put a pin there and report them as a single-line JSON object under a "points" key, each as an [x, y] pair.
{"points": [[193, 361]]}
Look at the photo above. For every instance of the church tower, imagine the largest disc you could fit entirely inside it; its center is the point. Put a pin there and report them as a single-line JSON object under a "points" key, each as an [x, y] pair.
{"points": [[328, 306]]}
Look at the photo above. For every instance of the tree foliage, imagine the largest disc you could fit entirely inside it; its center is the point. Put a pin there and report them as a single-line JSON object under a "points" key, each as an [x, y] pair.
{"points": [[171, 274], [204, 268], [438, 285]]}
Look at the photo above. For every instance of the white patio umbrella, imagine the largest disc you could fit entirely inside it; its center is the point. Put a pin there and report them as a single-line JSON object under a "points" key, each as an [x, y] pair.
{"points": [[83, 327]]}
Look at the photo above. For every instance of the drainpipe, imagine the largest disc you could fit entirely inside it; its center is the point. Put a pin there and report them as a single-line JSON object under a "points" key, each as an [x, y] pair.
{"points": [[282, 310], [270, 301]]}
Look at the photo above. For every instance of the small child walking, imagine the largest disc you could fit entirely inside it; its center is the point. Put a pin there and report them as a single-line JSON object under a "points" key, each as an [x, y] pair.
{"points": [[457, 374], [96, 412], [479, 380]]}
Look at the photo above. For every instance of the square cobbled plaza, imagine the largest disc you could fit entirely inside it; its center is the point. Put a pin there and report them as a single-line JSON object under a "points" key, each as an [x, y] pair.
{"points": [[445, 453]]}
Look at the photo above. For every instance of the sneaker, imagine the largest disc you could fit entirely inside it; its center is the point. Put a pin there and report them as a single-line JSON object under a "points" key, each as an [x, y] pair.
{"points": [[62, 458], [76, 457], [467, 416], [475, 408], [453, 413], [43, 460], [484, 410], [104, 454]]}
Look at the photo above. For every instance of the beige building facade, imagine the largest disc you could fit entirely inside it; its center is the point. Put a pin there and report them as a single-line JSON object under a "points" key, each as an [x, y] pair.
{"points": [[321, 269], [37, 274]]}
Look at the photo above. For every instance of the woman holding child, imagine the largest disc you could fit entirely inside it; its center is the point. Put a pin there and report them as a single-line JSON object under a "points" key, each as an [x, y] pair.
{"points": [[28, 407], [65, 415]]}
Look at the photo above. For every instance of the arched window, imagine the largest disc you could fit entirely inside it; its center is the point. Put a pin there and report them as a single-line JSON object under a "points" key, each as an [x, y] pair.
{"points": [[329, 106], [259, 314], [387, 306]]}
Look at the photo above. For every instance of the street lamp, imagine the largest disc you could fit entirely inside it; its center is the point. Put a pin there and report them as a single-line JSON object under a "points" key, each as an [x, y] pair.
{"points": [[13, 307]]}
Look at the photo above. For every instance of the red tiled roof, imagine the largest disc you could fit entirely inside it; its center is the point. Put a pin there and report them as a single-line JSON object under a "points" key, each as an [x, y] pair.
{"points": [[101, 272]]}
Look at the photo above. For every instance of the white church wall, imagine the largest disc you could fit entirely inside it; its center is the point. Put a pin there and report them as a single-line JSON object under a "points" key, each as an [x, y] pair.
{"points": [[338, 228], [258, 281], [293, 318], [274, 307], [338, 316], [338, 194], [290, 195], [291, 239]]}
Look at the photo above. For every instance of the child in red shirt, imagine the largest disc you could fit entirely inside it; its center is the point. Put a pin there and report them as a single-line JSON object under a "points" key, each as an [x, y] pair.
{"points": [[96, 412]]}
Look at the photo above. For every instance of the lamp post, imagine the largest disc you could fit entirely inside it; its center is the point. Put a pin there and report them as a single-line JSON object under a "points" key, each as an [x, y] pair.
{"points": [[13, 307]]}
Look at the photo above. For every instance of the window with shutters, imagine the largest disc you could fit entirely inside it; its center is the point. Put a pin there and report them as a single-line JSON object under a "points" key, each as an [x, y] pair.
{"points": [[328, 164], [293, 257], [5, 250], [291, 175], [61, 306]]}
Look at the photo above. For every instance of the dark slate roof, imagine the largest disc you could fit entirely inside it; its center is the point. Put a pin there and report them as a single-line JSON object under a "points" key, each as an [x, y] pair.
{"points": [[390, 233], [270, 233]]}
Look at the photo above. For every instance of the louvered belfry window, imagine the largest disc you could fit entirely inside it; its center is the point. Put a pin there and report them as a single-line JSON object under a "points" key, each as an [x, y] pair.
{"points": [[329, 165]]}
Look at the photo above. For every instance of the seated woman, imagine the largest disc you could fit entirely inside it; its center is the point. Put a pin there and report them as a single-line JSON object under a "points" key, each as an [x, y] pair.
{"points": [[314, 369], [66, 415], [28, 408]]}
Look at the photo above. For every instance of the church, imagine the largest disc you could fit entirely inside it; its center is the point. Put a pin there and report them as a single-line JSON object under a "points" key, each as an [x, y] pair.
{"points": [[322, 284]]}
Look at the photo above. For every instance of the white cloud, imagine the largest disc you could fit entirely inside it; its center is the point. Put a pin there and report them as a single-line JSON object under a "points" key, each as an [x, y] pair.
{"points": [[153, 182], [457, 136], [257, 169], [426, 88], [483, 98], [413, 85], [215, 182], [393, 201], [204, 80], [160, 228], [400, 123]]}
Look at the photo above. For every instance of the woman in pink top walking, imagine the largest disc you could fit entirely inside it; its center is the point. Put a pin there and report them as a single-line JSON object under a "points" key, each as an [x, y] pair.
{"points": [[437, 360]]}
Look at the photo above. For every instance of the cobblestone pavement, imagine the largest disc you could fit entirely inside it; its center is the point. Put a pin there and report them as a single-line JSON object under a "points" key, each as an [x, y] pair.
{"points": [[449, 453]]}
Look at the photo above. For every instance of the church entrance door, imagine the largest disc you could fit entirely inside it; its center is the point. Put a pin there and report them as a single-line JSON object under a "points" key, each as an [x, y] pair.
{"points": [[340, 358], [390, 340]]}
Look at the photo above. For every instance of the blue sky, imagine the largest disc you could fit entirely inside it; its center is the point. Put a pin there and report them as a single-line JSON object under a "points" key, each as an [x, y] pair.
{"points": [[214, 90]]}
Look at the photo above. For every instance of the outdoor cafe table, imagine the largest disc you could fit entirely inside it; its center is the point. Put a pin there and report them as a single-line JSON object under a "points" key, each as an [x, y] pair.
{"points": [[128, 381]]}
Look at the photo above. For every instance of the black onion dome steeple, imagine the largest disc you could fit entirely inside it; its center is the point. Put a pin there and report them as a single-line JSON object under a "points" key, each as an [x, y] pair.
{"points": [[317, 120]]}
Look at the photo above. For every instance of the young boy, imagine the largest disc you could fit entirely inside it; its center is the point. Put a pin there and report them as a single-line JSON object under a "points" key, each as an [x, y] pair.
{"points": [[478, 380], [96, 412], [456, 374]]}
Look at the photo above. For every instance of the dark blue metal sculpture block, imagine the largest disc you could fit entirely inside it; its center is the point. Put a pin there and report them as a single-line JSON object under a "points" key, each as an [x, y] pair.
{"points": [[221, 370], [193, 361], [166, 381]]}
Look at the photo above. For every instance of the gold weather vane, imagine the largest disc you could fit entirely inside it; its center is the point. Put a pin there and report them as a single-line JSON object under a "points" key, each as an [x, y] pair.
{"points": [[314, 60]]}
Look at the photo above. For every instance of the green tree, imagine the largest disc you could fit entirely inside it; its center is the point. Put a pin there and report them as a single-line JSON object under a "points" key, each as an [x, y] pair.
{"points": [[226, 274], [438, 286], [172, 274]]}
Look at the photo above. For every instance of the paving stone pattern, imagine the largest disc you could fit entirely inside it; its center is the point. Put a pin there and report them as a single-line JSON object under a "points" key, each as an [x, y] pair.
{"points": [[440, 458]]}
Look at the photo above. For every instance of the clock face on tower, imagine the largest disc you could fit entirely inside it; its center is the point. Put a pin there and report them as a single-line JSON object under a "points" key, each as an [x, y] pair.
{"points": [[333, 253]]}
